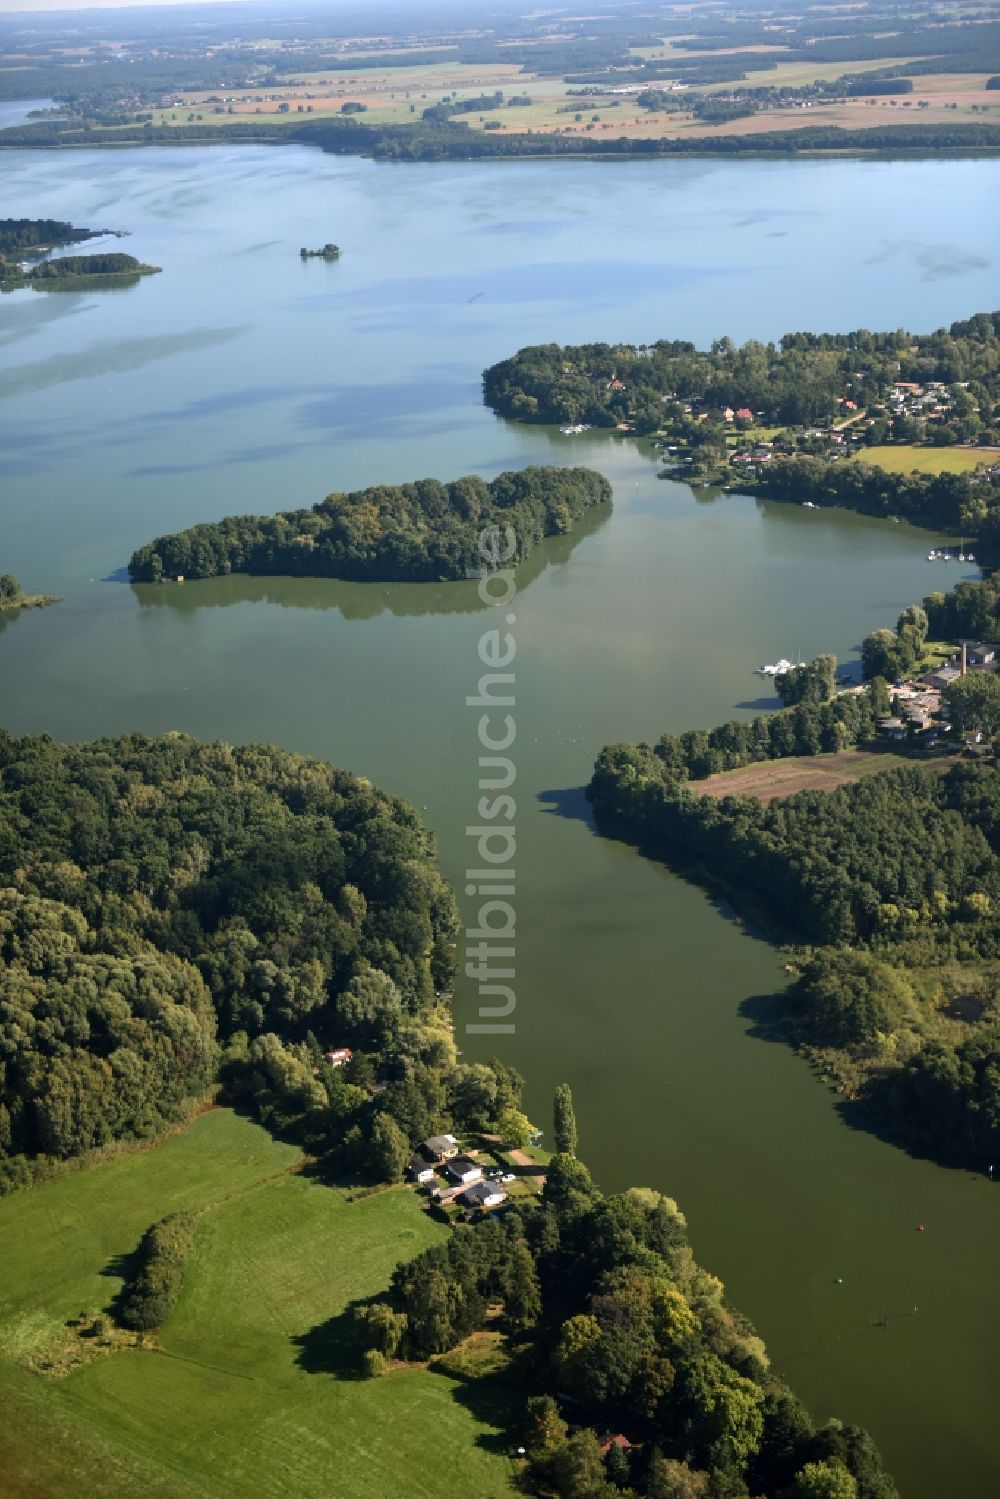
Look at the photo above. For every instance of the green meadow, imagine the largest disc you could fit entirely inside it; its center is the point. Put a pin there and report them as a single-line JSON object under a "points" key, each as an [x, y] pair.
{"points": [[250, 1391], [907, 458]]}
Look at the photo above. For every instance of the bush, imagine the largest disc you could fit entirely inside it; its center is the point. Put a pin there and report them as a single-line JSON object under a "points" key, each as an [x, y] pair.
{"points": [[148, 1299]]}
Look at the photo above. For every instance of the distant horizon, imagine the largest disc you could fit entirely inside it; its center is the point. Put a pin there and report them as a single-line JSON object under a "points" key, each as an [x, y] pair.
{"points": [[53, 7]]}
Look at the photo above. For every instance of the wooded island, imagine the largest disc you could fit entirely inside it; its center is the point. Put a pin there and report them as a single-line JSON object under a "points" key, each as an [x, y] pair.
{"points": [[419, 532]]}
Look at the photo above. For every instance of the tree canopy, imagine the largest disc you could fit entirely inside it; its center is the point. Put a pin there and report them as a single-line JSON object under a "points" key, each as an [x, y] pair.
{"points": [[156, 894], [612, 1318], [422, 531]]}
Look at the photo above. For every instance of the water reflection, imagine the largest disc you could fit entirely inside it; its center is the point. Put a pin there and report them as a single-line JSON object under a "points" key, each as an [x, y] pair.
{"points": [[79, 284], [111, 356], [361, 600]]}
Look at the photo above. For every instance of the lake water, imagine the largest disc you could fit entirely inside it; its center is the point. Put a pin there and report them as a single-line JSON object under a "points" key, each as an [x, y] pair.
{"points": [[19, 112], [243, 379]]}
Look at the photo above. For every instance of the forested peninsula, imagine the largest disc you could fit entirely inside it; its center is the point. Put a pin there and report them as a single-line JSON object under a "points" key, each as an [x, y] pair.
{"points": [[180, 918], [425, 531], [32, 236], [890, 884], [452, 140], [112, 266], [794, 420], [635, 1373]]}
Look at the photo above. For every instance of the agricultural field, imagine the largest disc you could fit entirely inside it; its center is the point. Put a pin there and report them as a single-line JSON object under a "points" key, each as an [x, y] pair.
{"points": [[390, 95], [398, 96], [772, 779], [905, 458], [250, 1389]]}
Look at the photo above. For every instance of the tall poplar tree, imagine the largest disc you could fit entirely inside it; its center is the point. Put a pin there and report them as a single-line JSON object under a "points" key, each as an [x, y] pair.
{"points": [[564, 1121]]}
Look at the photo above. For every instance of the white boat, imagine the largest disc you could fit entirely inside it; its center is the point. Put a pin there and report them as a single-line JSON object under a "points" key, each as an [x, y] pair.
{"points": [[808, 505], [775, 669]]}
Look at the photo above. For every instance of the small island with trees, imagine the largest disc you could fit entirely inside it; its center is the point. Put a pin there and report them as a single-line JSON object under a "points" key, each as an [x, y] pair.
{"points": [[113, 266], [13, 598], [424, 531], [328, 252]]}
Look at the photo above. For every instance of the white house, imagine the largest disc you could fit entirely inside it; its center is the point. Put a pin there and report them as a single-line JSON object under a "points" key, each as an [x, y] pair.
{"points": [[484, 1195], [464, 1169]]}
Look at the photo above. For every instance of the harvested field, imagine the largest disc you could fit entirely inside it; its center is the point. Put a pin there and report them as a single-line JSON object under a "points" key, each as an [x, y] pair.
{"points": [[772, 779]]}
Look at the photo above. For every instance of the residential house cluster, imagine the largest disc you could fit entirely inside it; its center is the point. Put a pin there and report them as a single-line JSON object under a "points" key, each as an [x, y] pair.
{"points": [[451, 1175], [919, 711], [928, 402]]}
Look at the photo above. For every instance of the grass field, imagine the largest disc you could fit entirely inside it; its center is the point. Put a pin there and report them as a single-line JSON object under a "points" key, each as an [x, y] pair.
{"points": [[904, 458], [772, 779], [249, 1392]]}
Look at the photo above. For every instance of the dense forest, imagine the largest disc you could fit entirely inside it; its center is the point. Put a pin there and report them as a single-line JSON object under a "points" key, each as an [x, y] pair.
{"points": [[454, 141], [612, 1327], [172, 908], [890, 885], [422, 532], [20, 236]]}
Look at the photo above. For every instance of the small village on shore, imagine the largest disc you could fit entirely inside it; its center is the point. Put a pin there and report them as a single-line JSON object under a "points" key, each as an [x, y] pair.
{"points": [[916, 424]]}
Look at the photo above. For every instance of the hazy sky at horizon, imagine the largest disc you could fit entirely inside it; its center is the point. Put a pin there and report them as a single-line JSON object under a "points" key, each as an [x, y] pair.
{"points": [[13, 7]]}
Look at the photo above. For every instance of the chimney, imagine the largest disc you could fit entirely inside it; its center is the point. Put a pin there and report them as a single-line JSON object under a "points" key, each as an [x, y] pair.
{"points": [[965, 657]]}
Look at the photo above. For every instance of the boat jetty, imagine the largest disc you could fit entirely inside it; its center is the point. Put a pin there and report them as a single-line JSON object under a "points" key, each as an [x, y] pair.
{"points": [[776, 668]]}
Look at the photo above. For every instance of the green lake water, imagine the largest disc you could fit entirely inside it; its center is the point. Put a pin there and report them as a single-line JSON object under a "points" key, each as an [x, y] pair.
{"points": [[242, 379]]}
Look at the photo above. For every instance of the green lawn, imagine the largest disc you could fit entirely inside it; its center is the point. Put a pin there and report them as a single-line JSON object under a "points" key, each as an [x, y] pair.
{"points": [[903, 458], [249, 1394]]}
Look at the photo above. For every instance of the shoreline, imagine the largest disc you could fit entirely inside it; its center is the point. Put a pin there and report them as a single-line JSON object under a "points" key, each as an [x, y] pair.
{"points": [[218, 137]]}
